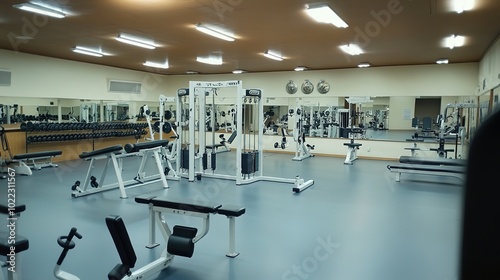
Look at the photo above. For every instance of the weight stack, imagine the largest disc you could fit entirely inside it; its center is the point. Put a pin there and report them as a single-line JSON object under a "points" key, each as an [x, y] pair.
{"points": [[204, 161], [247, 163], [213, 161], [256, 161], [185, 159]]}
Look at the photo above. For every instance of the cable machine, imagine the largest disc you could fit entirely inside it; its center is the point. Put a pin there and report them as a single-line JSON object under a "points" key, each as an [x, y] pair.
{"points": [[247, 136]]}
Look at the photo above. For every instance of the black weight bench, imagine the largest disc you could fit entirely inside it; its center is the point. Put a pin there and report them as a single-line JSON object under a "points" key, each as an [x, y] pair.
{"points": [[115, 155], [437, 170], [24, 163], [9, 247], [432, 161]]}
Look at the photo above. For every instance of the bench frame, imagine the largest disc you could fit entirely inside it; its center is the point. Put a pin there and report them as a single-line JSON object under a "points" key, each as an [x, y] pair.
{"points": [[26, 163], [116, 158]]}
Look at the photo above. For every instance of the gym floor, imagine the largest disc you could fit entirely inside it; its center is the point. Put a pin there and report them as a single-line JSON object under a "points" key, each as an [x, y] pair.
{"points": [[354, 223]]}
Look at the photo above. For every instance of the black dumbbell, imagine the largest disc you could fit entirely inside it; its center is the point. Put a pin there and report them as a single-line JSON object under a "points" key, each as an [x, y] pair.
{"points": [[93, 182], [75, 185]]}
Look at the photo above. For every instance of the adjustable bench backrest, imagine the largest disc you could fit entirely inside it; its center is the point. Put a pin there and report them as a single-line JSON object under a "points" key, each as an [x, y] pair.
{"points": [[133, 148], [123, 245]]}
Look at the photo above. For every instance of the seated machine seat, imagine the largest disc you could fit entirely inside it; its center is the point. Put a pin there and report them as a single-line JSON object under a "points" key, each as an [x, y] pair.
{"points": [[21, 244]]}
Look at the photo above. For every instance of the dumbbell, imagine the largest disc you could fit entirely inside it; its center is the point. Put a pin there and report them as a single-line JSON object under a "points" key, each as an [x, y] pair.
{"points": [[75, 185], [93, 182]]}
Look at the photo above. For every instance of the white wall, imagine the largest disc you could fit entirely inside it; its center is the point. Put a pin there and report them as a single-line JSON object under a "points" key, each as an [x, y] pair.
{"points": [[489, 69], [38, 76]]}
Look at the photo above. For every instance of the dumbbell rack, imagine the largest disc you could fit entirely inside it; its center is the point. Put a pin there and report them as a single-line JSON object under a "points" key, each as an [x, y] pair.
{"points": [[67, 132]]}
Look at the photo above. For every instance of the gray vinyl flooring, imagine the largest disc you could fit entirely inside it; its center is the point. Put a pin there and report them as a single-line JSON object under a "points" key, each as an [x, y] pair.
{"points": [[354, 223]]}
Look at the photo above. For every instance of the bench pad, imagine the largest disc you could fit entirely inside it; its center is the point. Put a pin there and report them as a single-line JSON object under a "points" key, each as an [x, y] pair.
{"points": [[428, 168], [132, 148], [432, 161], [102, 151], [37, 155], [4, 209], [21, 244], [231, 210], [179, 205]]}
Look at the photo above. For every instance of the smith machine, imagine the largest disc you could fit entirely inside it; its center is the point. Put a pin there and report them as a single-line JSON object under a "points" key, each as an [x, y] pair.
{"points": [[247, 137]]}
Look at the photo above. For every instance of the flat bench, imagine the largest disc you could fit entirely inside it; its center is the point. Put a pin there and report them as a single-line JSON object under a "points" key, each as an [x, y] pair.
{"points": [[437, 170], [433, 161], [28, 161], [162, 205]]}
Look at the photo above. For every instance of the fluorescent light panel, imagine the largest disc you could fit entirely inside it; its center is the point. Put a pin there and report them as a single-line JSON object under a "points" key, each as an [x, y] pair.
{"points": [[442, 61], [351, 49], [210, 60], [272, 55], [163, 65], [216, 33], [364, 65], [300, 68], [454, 41], [136, 41], [87, 51], [39, 9], [323, 13], [463, 5]]}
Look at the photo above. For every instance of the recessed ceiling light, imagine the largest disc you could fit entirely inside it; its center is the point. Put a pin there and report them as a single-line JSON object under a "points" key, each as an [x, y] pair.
{"points": [[364, 65], [191, 72], [140, 42], [239, 71], [454, 41], [300, 68], [41, 9], [216, 33], [273, 55]]}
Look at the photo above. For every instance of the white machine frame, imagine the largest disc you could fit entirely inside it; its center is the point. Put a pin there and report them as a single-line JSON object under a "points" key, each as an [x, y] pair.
{"points": [[302, 150], [241, 94]]}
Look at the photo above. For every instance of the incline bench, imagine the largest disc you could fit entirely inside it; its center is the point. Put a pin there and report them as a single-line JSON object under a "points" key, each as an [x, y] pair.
{"points": [[429, 166], [113, 154], [181, 241]]}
